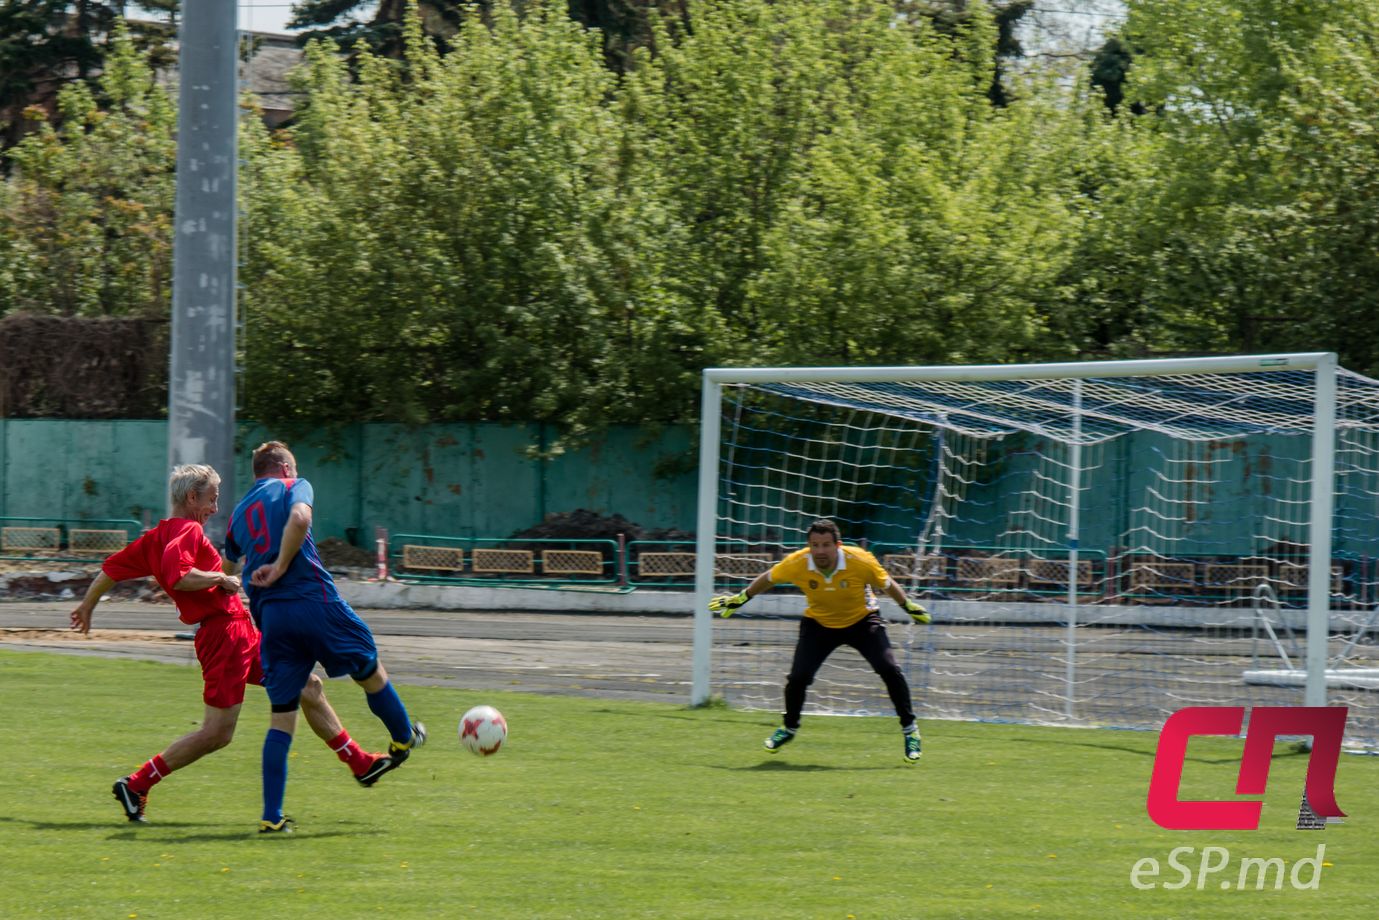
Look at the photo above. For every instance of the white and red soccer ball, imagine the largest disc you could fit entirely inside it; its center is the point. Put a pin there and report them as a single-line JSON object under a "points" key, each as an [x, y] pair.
{"points": [[483, 730]]}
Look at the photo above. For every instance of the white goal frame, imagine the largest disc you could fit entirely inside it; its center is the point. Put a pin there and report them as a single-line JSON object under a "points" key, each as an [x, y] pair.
{"points": [[1322, 496]]}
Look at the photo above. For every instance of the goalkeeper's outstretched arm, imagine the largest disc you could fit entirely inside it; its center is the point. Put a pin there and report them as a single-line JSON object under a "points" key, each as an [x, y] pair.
{"points": [[725, 605], [914, 608]]}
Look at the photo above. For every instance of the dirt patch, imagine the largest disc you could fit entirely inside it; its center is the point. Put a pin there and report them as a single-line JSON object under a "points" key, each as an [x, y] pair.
{"points": [[582, 524], [59, 581], [11, 566], [97, 635], [336, 554]]}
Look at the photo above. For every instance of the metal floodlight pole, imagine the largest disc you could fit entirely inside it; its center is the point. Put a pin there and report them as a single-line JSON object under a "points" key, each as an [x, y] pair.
{"points": [[201, 379]]}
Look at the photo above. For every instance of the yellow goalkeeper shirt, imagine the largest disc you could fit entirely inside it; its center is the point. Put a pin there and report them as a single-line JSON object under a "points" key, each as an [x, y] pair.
{"points": [[841, 598]]}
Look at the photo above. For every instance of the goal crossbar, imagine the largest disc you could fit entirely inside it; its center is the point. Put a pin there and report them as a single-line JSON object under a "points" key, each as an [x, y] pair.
{"points": [[1147, 367]]}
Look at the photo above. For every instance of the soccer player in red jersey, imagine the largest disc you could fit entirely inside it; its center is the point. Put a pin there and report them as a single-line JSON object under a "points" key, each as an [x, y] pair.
{"points": [[180, 557]]}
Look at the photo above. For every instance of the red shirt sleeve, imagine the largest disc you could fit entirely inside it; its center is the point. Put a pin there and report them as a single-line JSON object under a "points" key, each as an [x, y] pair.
{"points": [[130, 562], [179, 555]]}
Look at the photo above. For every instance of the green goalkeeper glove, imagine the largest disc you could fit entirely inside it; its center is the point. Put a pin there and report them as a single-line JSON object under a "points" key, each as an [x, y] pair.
{"points": [[916, 610], [725, 605]]}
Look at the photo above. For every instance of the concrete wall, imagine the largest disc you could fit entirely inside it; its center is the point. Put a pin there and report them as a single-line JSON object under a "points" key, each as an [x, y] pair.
{"points": [[466, 480]]}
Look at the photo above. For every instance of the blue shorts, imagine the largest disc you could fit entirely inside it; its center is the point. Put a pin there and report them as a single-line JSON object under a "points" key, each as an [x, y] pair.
{"points": [[299, 633]]}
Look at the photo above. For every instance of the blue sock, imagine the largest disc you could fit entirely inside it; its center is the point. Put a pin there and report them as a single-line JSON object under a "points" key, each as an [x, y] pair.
{"points": [[387, 705], [275, 746]]}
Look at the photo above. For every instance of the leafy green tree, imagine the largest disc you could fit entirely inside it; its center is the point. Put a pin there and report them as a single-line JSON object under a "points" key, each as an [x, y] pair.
{"points": [[950, 17], [1109, 68], [845, 189], [85, 229], [48, 44], [343, 22], [466, 226], [1321, 236], [512, 231], [1217, 245]]}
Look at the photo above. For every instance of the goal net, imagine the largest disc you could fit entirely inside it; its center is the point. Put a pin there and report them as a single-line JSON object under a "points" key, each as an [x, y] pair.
{"points": [[1100, 544]]}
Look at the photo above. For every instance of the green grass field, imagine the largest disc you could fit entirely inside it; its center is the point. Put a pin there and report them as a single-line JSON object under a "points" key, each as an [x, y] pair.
{"points": [[615, 809]]}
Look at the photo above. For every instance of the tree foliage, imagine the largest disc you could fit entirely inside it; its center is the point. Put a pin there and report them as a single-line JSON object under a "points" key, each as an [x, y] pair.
{"points": [[86, 212], [48, 44], [1250, 215], [509, 228], [514, 231]]}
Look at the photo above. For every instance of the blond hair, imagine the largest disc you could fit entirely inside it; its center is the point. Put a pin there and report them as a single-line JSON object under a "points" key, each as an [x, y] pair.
{"points": [[190, 478]]}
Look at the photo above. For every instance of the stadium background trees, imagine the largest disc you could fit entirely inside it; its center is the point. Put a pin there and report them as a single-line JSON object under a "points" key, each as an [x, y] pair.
{"points": [[523, 228], [86, 211], [48, 44], [518, 232], [1241, 207]]}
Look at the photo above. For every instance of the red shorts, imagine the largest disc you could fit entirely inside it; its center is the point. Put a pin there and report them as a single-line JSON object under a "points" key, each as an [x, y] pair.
{"points": [[228, 649]]}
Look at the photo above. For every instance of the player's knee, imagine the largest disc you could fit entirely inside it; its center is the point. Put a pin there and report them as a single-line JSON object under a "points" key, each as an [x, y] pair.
{"points": [[313, 690], [220, 736], [798, 681]]}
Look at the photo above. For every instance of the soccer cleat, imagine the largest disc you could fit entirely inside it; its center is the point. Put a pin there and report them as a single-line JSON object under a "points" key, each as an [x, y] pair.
{"points": [[382, 763], [282, 826], [132, 802], [400, 752], [779, 739], [912, 746]]}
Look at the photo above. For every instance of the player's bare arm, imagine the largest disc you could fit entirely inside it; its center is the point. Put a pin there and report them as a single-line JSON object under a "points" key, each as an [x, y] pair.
{"points": [[199, 580], [914, 608], [81, 617], [895, 592]]}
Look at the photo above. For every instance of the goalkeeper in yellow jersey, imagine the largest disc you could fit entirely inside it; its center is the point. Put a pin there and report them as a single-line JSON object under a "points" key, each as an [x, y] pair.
{"points": [[839, 610]]}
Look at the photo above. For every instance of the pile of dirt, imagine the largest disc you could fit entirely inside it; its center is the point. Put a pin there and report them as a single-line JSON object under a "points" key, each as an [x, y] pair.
{"points": [[337, 554], [582, 524]]}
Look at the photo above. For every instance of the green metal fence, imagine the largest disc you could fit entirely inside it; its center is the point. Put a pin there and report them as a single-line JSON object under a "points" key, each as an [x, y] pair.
{"points": [[517, 562], [64, 539]]}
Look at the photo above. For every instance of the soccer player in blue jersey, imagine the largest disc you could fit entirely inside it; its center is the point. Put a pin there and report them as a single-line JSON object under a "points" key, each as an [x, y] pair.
{"points": [[304, 621]]}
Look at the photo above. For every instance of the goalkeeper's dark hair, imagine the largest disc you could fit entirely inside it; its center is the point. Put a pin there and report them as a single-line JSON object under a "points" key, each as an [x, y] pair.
{"points": [[824, 525]]}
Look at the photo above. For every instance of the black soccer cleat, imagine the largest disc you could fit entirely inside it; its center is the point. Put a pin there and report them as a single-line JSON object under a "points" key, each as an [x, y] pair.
{"points": [[132, 802], [399, 753], [381, 764]]}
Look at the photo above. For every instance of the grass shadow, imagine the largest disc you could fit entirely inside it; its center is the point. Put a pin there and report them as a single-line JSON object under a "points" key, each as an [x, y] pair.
{"points": [[166, 831], [782, 766], [41, 825], [239, 834], [1293, 751]]}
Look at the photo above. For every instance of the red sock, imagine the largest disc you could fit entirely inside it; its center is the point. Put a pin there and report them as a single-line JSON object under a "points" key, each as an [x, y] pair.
{"points": [[350, 753], [149, 775]]}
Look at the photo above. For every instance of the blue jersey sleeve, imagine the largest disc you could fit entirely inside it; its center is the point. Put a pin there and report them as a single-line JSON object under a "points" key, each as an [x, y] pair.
{"points": [[300, 492]]}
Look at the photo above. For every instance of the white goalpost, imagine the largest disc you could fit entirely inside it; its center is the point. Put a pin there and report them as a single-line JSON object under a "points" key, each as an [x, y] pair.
{"points": [[1101, 543]]}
